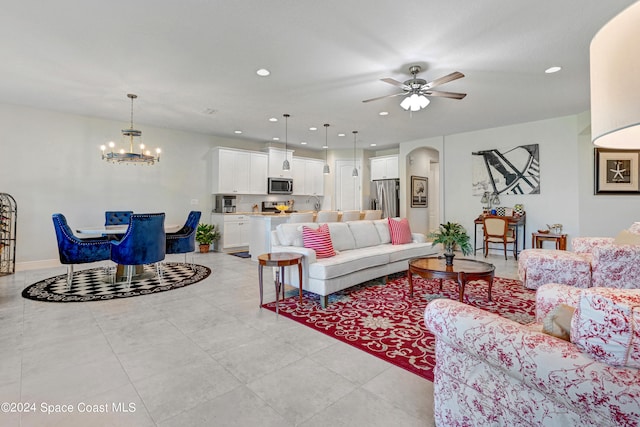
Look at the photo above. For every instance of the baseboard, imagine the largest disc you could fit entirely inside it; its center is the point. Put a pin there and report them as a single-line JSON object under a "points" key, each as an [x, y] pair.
{"points": [[36, 265]]}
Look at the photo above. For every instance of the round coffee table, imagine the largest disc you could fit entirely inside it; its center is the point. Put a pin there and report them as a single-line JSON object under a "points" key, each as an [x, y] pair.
{"points": [[281, 260], [463, 270]]}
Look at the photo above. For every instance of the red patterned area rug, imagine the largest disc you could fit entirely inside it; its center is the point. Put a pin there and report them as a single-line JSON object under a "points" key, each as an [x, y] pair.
{"points": [[385, 322]]}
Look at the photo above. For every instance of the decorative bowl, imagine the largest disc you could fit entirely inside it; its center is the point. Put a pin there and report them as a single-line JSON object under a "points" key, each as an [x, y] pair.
{"points": [[543, 231], [282, 208]]}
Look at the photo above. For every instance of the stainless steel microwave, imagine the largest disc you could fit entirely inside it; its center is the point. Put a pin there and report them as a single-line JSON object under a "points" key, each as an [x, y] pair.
{"points": [[280, 185]]}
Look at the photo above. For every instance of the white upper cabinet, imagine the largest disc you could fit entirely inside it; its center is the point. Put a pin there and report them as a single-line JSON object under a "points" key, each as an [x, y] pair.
{"points": [[276, 158], [238, 171], [384, 167], [308, 179]]}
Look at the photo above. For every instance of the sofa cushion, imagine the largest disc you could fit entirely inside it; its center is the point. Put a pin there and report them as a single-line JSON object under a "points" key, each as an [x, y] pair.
{"points": [[347, 262], [364, 233], [606, 325], [382, 227], [558, 322], [291, 234], [319, 240], [626, 237], [635, 228], [400, 231], [341, 236]]}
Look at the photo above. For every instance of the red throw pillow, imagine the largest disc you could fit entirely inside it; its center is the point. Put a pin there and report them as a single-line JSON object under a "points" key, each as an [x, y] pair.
{"points": [[400, 231], [319, 240]]}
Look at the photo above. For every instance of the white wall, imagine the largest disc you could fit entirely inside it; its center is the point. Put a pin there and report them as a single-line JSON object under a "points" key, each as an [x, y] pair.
{"points": [[50, 162], [566, 174]]}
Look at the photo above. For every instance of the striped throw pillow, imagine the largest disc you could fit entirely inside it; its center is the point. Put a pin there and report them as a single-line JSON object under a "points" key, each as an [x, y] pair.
{"points": [[400, 231], [319, 240]]}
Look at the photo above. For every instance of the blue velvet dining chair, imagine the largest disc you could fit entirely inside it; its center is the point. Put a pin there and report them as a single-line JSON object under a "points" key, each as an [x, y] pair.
{"points": [[143, 243], [117, 217], [73, 250], [183, 241]]}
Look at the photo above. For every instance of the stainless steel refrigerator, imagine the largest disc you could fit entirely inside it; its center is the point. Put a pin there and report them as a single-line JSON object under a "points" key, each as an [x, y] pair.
{"points": [[385, 195]]}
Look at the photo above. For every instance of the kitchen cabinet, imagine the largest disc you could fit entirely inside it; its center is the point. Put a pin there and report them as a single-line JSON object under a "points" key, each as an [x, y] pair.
{"points": [[276, 158], [238, 171], [384, 167], [235, 230], [308, 179]]}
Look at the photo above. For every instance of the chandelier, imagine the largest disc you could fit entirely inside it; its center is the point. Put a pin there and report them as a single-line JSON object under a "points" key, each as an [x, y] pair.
{"points": [[325, 169], [121, 156], [354, 173], [285, 165]]}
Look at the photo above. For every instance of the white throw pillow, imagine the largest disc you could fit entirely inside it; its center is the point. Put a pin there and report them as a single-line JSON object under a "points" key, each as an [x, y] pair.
{"points": [[291, 234]]}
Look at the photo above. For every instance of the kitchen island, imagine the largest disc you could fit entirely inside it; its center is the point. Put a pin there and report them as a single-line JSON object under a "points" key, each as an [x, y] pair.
{"points": [[260, 237]]}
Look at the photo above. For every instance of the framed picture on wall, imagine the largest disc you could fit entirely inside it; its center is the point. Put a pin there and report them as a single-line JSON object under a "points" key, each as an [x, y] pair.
{"points": [[616, 171], [419, 191]]}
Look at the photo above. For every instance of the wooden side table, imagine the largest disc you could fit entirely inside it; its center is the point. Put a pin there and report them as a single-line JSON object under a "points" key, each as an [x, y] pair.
{"points": [[559, 239], [279, 260]]}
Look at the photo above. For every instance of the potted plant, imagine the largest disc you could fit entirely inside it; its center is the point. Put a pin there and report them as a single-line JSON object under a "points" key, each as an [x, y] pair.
{"points": [[205, 235], [452, 235]]}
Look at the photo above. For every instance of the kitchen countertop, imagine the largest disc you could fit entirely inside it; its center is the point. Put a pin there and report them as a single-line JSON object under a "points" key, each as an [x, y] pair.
{"points": [[260, 213]]}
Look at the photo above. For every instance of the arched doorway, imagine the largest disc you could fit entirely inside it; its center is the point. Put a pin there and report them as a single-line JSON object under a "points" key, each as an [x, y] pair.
{"points": [[423, 162]]}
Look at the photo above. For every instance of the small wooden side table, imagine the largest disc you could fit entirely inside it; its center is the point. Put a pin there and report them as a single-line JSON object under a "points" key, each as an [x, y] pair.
{"points": [[279, 260], [559, 239]]}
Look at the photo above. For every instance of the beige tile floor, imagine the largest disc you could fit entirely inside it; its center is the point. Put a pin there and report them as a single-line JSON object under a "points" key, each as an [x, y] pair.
{"points": [[205, 355]]}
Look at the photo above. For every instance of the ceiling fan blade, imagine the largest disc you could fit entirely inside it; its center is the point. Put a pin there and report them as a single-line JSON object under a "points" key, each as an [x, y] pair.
{"points": [[393, 82], [445, 79], [386, 96], [454, 95]]}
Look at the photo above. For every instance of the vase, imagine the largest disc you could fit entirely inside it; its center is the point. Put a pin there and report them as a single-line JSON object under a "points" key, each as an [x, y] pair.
{"points": [[449, 258]]}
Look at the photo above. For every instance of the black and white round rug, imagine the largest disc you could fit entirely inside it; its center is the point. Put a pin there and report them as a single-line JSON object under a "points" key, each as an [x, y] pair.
{"points": [[95, 284]]}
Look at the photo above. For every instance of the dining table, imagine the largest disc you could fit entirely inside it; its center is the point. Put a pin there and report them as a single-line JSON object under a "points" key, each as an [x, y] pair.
{"points": [[118, 229], [103, 230]]}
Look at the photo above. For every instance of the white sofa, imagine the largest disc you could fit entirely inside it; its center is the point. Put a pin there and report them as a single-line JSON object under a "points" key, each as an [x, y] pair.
{"points": [[364, 252]]}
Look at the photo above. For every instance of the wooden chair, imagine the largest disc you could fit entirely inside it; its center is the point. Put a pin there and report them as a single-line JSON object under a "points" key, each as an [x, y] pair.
{"points": [[327, 216], [373, 215], [496, 230], [350, 216], [301, 217]]}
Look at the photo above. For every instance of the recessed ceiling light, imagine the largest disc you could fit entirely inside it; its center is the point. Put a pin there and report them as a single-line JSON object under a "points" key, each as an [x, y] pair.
{"points": [[383, 113], [237, 131], [372, 145], [551, 70], [263, 72], [273, 119], [303, 143], [313, 128], [341, 134], [275, 138]]}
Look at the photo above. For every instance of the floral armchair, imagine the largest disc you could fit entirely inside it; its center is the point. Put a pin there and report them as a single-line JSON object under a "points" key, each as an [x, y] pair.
{"points": [[596, 262], [491, 371]]}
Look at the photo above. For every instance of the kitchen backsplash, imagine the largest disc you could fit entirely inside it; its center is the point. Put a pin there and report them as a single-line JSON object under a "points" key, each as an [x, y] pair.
{"points": [[245, 203]]}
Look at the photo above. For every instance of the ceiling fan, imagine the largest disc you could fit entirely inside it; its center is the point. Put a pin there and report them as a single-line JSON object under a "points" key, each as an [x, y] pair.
{"points": [[416, 90]]}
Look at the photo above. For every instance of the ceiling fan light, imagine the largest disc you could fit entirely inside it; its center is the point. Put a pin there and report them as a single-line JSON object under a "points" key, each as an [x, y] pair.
{"points": [[406, 103], [424, 101]]}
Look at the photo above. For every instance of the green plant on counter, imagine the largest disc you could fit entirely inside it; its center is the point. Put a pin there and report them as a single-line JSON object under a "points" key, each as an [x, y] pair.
{"points": [[452, 235]]}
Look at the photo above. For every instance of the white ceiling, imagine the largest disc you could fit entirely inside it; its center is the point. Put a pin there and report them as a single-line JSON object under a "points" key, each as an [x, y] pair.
{"points": [[185, 57]]}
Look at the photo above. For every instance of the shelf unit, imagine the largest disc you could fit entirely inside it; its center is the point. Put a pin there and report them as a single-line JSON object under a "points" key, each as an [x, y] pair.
{"points": [[8, 214]]}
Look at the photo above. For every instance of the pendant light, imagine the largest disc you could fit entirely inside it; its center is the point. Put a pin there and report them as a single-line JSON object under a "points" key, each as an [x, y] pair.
{"points": [[355, 169], [285, 165], [326, 169]]}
